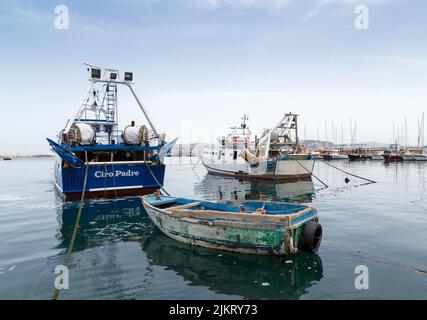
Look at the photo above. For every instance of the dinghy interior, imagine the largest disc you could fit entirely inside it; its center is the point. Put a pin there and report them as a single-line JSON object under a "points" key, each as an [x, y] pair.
{"points": [[255, 227], [232, 206]]}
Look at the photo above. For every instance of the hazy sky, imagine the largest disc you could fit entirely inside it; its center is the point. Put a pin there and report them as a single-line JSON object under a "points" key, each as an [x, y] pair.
{"points": [[199, 65]]}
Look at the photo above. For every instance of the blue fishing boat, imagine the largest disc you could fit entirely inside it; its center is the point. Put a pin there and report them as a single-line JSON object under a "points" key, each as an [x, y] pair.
{"points": [[253, 227], [95, 157]]}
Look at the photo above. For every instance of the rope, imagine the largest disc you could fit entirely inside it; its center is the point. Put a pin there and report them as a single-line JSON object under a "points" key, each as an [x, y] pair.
{"points": [[114, 177], [312, 174], [157, 181], [105, 180], [350, 174], [76, 226], [196, 164]]}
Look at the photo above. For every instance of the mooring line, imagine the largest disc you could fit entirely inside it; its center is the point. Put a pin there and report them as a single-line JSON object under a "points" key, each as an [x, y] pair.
{"points": [[55, 294], [161, 187], [391, 263], [196, 163], [312, 174], [350, 174]]}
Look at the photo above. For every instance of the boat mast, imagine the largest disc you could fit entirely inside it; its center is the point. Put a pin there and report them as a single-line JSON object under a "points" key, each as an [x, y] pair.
{"points": [[141, 106], [406, 135], [243, 125], [422, 133], [342, 134]]}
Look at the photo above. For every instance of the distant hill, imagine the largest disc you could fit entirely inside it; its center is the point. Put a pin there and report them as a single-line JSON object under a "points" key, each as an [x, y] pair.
{"points": [[374, 143], [317, 144]]}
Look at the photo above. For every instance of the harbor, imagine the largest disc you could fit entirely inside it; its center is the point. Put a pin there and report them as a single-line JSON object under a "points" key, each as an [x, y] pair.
{"points": [[120, 254], [111, 197], [226, 157], [134, 194]]}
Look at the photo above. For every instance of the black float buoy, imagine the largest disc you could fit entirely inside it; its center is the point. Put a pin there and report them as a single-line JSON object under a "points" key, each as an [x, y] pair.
{"points": [[347, 180]]}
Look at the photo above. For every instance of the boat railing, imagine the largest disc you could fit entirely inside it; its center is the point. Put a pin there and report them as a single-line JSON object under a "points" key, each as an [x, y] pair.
{"points": [[105, 138], [116, 163]]}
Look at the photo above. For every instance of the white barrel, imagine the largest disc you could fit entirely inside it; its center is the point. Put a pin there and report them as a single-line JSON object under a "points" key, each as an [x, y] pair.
{"points": [[82, 134], [135, 135]]}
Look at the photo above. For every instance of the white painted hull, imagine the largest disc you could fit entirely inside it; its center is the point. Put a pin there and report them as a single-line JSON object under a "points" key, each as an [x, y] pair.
{"points": [[289, 170], [339, 157], [228, 162], [377, 157], [408, 158], [420, 158]]}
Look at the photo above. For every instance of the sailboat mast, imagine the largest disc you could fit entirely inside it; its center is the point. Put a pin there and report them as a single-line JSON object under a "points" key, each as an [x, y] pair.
{"points": [[295, 118], [342, 134], [406, 134], [422, 132]]}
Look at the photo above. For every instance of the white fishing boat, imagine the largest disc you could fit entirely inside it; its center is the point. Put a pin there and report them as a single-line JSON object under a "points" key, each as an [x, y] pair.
{"points": [[336, 155], [276, 155]]}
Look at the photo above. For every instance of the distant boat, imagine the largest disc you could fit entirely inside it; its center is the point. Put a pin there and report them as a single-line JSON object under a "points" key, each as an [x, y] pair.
{"points": [[317, 155], [359, 154], [392, 157], [376, 157], [393, 154], [335, 155], [256, 227], [358, 157], [7, 158], [277, 155], [420, 157]]}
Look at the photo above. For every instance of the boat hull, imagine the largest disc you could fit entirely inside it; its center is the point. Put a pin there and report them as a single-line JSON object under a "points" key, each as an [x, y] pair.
{"points": [[358, 157], [376, 158], [408, 157], [244, 233], [329, 157], [339, 157], [392, 158], [108, 181], [277, 170]]}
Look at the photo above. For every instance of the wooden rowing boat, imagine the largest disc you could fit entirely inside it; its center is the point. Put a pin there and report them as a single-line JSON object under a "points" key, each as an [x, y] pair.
{"points": [[257, 227]]}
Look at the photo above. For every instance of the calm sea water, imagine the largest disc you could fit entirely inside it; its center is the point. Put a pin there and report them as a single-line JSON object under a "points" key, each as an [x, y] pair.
{"points": [[119, 254]]}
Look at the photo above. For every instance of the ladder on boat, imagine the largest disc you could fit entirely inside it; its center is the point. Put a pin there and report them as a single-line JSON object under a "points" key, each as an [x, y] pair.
{"points": [[110, 101]]}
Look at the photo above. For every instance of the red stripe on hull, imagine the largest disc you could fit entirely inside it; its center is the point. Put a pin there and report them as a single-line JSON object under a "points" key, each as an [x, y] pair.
{"points": [[107, 193]]}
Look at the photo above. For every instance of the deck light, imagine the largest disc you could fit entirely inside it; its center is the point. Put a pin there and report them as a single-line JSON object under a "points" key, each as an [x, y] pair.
{"points": [[128, 76], [95, 73]]}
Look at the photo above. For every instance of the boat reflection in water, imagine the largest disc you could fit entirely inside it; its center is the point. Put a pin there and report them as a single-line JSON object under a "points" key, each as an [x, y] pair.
{"points": [[219, 188], [123, 219], [248, 276]]}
